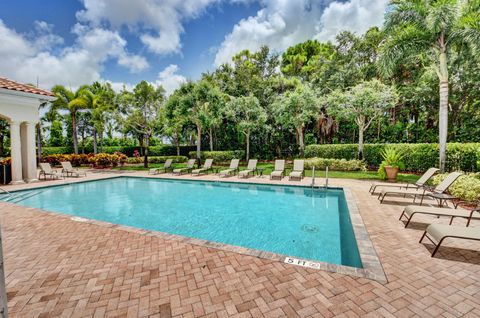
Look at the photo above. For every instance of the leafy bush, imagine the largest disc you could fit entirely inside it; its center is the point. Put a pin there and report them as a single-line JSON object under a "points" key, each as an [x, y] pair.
{"points": [[417, 157], [219, 156], [76, 160], [467, 187], [98, 160], [161, 150], [5, 161], [335, 164], [157, 159]]}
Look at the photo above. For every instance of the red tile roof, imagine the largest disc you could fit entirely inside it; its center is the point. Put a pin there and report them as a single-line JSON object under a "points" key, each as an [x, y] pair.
{"points": [[15, 86]]}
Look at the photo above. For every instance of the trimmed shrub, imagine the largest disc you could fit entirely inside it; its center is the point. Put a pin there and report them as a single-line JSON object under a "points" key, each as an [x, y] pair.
{"points": [[418, 157], [56, 150], [467, 187], [219, 156], [157, 159], [335, 164], [98, 160], [161, 150]]}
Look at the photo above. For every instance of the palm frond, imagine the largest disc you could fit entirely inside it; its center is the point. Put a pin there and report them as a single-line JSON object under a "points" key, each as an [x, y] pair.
{"points": [[405, 12], [403, 44]]}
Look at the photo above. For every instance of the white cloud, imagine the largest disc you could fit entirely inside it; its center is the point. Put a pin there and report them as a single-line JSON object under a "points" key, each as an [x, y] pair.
{"points": [[158, 23], [170, 79], [28, 57], [280, 24]]}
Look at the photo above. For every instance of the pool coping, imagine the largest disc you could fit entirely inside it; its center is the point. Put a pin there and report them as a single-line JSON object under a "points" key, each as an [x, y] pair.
{"points": [[372, 267]]}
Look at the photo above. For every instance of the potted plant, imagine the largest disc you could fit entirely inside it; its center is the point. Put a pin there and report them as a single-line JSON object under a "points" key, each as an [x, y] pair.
{"points": [[391, 164]]}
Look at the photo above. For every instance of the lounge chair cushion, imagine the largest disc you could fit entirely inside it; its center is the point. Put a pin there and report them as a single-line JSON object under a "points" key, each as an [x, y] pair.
{"points": [[440, 231], [296, 174], [245, 172], [277, 173], [403, 191], [178, 170], [227, 171], [412, 209]]}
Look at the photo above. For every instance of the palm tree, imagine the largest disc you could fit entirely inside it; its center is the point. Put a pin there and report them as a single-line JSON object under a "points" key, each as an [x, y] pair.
{"points": [[432, 29], [72, 102]]}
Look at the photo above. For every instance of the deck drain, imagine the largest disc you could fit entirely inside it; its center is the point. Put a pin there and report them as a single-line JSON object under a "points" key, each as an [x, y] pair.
{"points": [[310, 228]]}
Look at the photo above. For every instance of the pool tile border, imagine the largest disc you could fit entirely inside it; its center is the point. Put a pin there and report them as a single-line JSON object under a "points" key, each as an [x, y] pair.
{"points": [[372, 268]]}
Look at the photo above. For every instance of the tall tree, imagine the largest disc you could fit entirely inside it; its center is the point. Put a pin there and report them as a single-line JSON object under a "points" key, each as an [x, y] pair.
{"points": [[201, 103], [297, 109], [248, 115], [143, 109], [431, 30], [363, 103], [72, 102]]}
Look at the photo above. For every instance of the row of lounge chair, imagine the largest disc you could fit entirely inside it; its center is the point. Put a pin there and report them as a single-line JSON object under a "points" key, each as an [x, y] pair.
{"points": [[435, 233], [46, 171], [278, 172]]}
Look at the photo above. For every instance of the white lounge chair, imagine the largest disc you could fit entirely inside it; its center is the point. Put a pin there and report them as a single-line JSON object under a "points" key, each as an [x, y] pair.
{"points": [[47, 171], [188, 168], [70, 171], [298, 169], [166, 166], [418, 184], [251, 169], [207, 166], [437, 233], [279, 170], [231, 169], [411, 210], [437, 193]]}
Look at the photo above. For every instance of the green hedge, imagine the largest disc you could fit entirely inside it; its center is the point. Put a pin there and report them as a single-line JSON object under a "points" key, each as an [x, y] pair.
{"points": [[219, 156], [157, 159], [335, 164], [162, 150], [418, 157]]}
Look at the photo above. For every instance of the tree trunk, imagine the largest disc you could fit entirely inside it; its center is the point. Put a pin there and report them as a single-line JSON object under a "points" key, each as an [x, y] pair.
{"points": [[177, 144], [100, 136], [95, 141], [39, 143], [301, 144], [443, 111], [199, 143], [443, 124], [211, 138], [145, 152], [247, 136], [360, 143], [74, 132]]}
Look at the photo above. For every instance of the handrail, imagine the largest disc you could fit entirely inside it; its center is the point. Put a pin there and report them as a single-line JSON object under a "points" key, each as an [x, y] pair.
{"points": [[313, 176], [326, 177]]}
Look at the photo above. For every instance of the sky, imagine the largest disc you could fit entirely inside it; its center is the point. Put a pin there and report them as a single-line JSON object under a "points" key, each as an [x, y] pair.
{"points": [[166, 42]]}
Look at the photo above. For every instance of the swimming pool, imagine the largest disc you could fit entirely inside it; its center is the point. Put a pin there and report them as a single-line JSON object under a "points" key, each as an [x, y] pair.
{"points": [[295, 221]]}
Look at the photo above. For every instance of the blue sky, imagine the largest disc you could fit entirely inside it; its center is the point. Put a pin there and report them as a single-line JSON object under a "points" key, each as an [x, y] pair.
{"points": [[165, 42]]}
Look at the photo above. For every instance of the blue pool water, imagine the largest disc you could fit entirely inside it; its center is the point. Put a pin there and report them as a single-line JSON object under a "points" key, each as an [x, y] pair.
{"points": [[301, 222]]}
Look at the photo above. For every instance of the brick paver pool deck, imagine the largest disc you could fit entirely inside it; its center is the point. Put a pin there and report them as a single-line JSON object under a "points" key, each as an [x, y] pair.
{"points": [[56, 266]]}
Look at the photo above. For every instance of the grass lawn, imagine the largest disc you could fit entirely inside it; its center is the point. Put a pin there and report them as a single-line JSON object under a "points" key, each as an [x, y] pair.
{"points": [[268, 167]]}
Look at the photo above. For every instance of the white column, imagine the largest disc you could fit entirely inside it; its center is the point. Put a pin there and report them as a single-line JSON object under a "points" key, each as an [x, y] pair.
{"points": [[30, 152], [16, 152]]}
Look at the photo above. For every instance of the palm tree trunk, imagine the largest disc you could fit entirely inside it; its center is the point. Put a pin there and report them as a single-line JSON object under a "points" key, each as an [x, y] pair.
{"points": [[443, 111], [177, 144], [199, 143], [74, 132], [94, 140], [443, 124]]}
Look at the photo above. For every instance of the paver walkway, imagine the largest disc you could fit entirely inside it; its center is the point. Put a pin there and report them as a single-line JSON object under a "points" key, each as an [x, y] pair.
{"points": [[58, 267]]}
